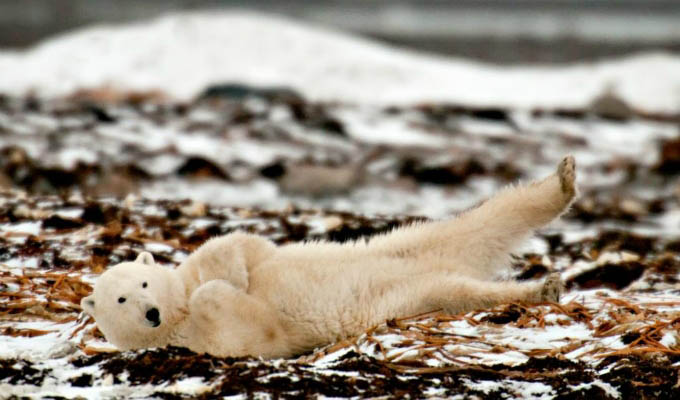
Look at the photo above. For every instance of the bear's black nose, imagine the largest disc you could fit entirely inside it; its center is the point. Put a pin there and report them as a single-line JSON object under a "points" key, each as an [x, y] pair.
{"points": [[153, 316]]}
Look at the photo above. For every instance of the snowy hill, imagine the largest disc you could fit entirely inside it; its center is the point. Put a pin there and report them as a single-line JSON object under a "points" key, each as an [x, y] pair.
{"points": [[183, 53]]}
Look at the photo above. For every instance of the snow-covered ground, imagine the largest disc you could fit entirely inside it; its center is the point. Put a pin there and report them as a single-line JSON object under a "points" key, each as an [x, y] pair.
{"points": [[50, 349], [181, 54]]}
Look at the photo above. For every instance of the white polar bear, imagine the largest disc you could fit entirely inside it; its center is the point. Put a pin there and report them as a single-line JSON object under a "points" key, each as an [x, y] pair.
{"points": [[240, 294]]}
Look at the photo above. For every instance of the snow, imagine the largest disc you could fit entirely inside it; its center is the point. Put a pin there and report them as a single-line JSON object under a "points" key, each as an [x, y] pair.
{"points": [[523, 390], [608, 389], [533, 390], [485, 386], [38, 347], [200, 223], [158, 248], [22, 262], [29, 227], [194, 385], [69, 213], [69, 158], [387, 131], [216, 192], [183, 53], [669, 339]]}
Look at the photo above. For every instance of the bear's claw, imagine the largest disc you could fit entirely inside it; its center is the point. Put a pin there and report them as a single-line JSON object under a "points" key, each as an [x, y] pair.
{"points": [[552, 288], [566, 171]]}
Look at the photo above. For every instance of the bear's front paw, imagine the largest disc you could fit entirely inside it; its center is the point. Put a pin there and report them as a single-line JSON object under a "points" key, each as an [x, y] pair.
{"points": [[552, 288], [566, 171], [210, 297], [234, 273]]}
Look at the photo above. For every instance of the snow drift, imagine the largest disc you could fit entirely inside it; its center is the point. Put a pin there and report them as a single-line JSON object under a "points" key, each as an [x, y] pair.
{"points": [[183, 53]]}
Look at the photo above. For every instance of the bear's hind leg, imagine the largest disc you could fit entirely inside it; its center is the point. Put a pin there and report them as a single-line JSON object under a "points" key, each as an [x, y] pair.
{"points": [[478, 242], [445, 292], [470, 294]]}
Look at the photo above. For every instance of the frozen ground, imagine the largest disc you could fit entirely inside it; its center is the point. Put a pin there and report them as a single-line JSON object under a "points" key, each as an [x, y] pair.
{"points": [[614, 334], [368, 138]]}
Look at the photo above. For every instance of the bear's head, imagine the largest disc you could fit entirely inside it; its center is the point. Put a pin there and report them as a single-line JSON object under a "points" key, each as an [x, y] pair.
{"points": [[137, 304]]}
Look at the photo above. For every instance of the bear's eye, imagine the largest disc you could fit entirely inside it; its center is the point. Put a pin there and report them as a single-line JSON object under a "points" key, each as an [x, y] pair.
{"points": [[121, 300], [144, 285]]}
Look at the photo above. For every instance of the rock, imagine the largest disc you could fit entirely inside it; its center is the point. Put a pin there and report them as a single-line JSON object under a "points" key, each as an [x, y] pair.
{"points": [[199, 167], [610, 106], [239, 92], [669, 158]]}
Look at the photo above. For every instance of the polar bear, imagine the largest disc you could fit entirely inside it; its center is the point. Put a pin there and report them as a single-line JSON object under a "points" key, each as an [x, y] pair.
{"points": [[240, 294]]}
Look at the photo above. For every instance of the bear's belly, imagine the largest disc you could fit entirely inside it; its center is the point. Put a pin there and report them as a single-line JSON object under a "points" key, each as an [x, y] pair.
{"points": [[318, 305]]}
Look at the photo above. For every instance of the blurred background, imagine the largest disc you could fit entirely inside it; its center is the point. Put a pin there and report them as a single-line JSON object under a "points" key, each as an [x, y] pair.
{"points": [[322, 104], [501, 31]]}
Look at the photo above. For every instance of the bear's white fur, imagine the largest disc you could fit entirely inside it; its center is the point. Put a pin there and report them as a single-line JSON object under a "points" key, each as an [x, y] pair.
{"points": [[240, 294]]}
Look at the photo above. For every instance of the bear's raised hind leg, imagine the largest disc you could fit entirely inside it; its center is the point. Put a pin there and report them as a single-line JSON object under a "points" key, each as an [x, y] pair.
{"points": [[478, 242]]}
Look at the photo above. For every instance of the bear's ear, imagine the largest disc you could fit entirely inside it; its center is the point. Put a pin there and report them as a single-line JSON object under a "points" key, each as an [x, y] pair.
{"points": [[87, 304], [145, 258]]}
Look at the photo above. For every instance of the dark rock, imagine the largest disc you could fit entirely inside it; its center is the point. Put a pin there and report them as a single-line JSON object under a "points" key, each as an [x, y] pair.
{"points": [[84, 380], [20, 372], [239, 92], [569, 114], [173, 213], [532, 271], [620, 240], [273, 171], [492, 114], [101, 114], [509, 314], [613, 276], [199, 167], [669, 162], [59, 223], [610, 106], [99, 214], [452, 174]]}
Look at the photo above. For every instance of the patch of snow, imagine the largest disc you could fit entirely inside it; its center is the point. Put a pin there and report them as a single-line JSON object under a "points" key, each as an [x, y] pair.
{"points": [[578, 268], [152, 139], [69, 158], [28, 227], [33, 348], [434, 392], [669, 339], [383, 130], [216, 192], [484, 386], [21, 262], [506, 358], [608, 389], [69, 212], [531, 390], [484, 128], [158, 248], [194, 385], [161, 164], [331, 358]]}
